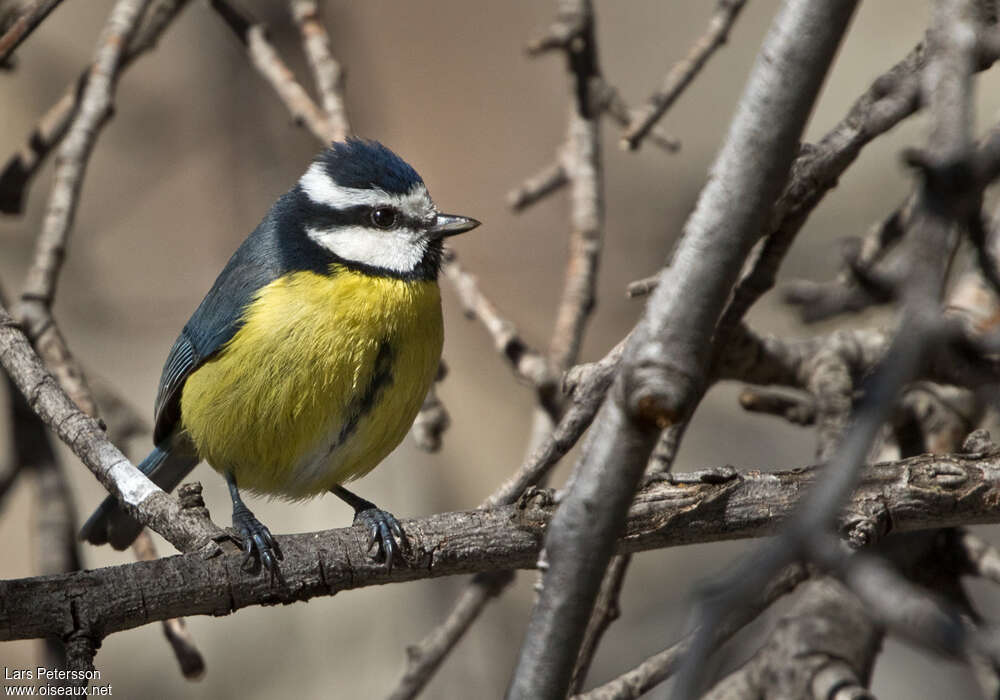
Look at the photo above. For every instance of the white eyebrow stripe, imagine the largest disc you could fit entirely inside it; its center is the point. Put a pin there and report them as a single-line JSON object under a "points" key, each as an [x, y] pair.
{"points": [[399, 250], [321, 189]]}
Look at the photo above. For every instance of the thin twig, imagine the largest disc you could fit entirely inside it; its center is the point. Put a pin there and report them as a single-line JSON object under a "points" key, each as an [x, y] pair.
{"points": [[683, 72], [605, 612], [424, 658], [582, 162], [327, 72], [35, 308], [265, 58], [534, 188], [529, 364], [22, 166], [795, 409], [614, 106]]}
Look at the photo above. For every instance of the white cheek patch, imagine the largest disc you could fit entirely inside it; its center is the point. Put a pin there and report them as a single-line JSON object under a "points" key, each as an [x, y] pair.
{"points": [[399, 250], [321, 189]]}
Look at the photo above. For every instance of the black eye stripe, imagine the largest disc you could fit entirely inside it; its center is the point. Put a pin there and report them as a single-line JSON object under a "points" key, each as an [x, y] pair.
{"points": [[321, 216]]}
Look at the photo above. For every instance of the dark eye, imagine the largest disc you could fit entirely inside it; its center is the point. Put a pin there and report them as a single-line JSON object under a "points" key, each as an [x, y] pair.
{"points": [[384, 217]]}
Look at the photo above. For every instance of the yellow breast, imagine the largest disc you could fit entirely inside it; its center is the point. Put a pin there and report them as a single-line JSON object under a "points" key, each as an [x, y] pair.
{"points": [[321, 382]]}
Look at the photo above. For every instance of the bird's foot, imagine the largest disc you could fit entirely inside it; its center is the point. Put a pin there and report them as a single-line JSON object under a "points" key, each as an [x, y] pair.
{"points": [[384, 531], [258, 544]]}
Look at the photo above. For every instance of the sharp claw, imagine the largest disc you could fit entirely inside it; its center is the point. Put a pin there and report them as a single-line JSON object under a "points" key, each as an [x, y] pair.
{"points": [[385, 535], [390, 554], [258, 544]]}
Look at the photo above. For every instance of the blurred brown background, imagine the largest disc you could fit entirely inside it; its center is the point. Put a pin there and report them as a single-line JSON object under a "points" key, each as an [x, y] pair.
{"points": [[200, 147]]}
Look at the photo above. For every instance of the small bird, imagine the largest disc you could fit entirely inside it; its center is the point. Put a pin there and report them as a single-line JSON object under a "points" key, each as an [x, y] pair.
{"points": [[307, 361]]}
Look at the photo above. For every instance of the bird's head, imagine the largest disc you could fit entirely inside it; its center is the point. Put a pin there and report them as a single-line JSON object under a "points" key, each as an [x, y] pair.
{"points": [[367, 207]]}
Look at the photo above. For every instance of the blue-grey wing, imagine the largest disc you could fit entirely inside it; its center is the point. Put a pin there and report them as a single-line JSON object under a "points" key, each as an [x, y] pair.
{"points": [[181, 362], [212, 325], [273, 249]]}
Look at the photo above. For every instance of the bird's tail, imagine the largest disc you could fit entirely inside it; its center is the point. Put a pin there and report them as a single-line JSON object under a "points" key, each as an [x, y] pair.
{"points": [[166, 466]]}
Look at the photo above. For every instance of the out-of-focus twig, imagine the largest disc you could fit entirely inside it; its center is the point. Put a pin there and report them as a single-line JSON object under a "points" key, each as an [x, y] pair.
{"points": [[615, 107], [253, 35], [328, 73], [579, 166], [424, 658], [683, 72], [35, 308], [979, 558], [529, 364], [433, 419], [56, 549], [659, 667], [32, 14], [537, 186], [22, 166], [583, 165], [795, 409]]}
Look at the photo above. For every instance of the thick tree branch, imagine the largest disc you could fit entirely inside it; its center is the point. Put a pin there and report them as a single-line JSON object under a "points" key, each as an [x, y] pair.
{"points": [[947, 90], [664, 374], [925, 492]]}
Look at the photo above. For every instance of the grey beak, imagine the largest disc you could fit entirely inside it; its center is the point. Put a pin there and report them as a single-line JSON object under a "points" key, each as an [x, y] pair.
{"points": [[450, 225]]}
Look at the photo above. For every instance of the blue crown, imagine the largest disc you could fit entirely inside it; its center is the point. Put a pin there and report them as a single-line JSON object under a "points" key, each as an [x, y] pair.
{"points": [[364, 164]]}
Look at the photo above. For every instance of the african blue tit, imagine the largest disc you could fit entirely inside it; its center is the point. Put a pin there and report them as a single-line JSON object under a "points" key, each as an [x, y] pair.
{"points": [[307, 361]]}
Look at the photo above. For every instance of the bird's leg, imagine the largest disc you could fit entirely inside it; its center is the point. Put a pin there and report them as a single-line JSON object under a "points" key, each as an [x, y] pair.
{"points": [[383, 528], [256, 538]]}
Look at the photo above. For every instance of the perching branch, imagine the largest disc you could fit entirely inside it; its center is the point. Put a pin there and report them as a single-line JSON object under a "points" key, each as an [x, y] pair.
{"points": [[925, 492]]}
